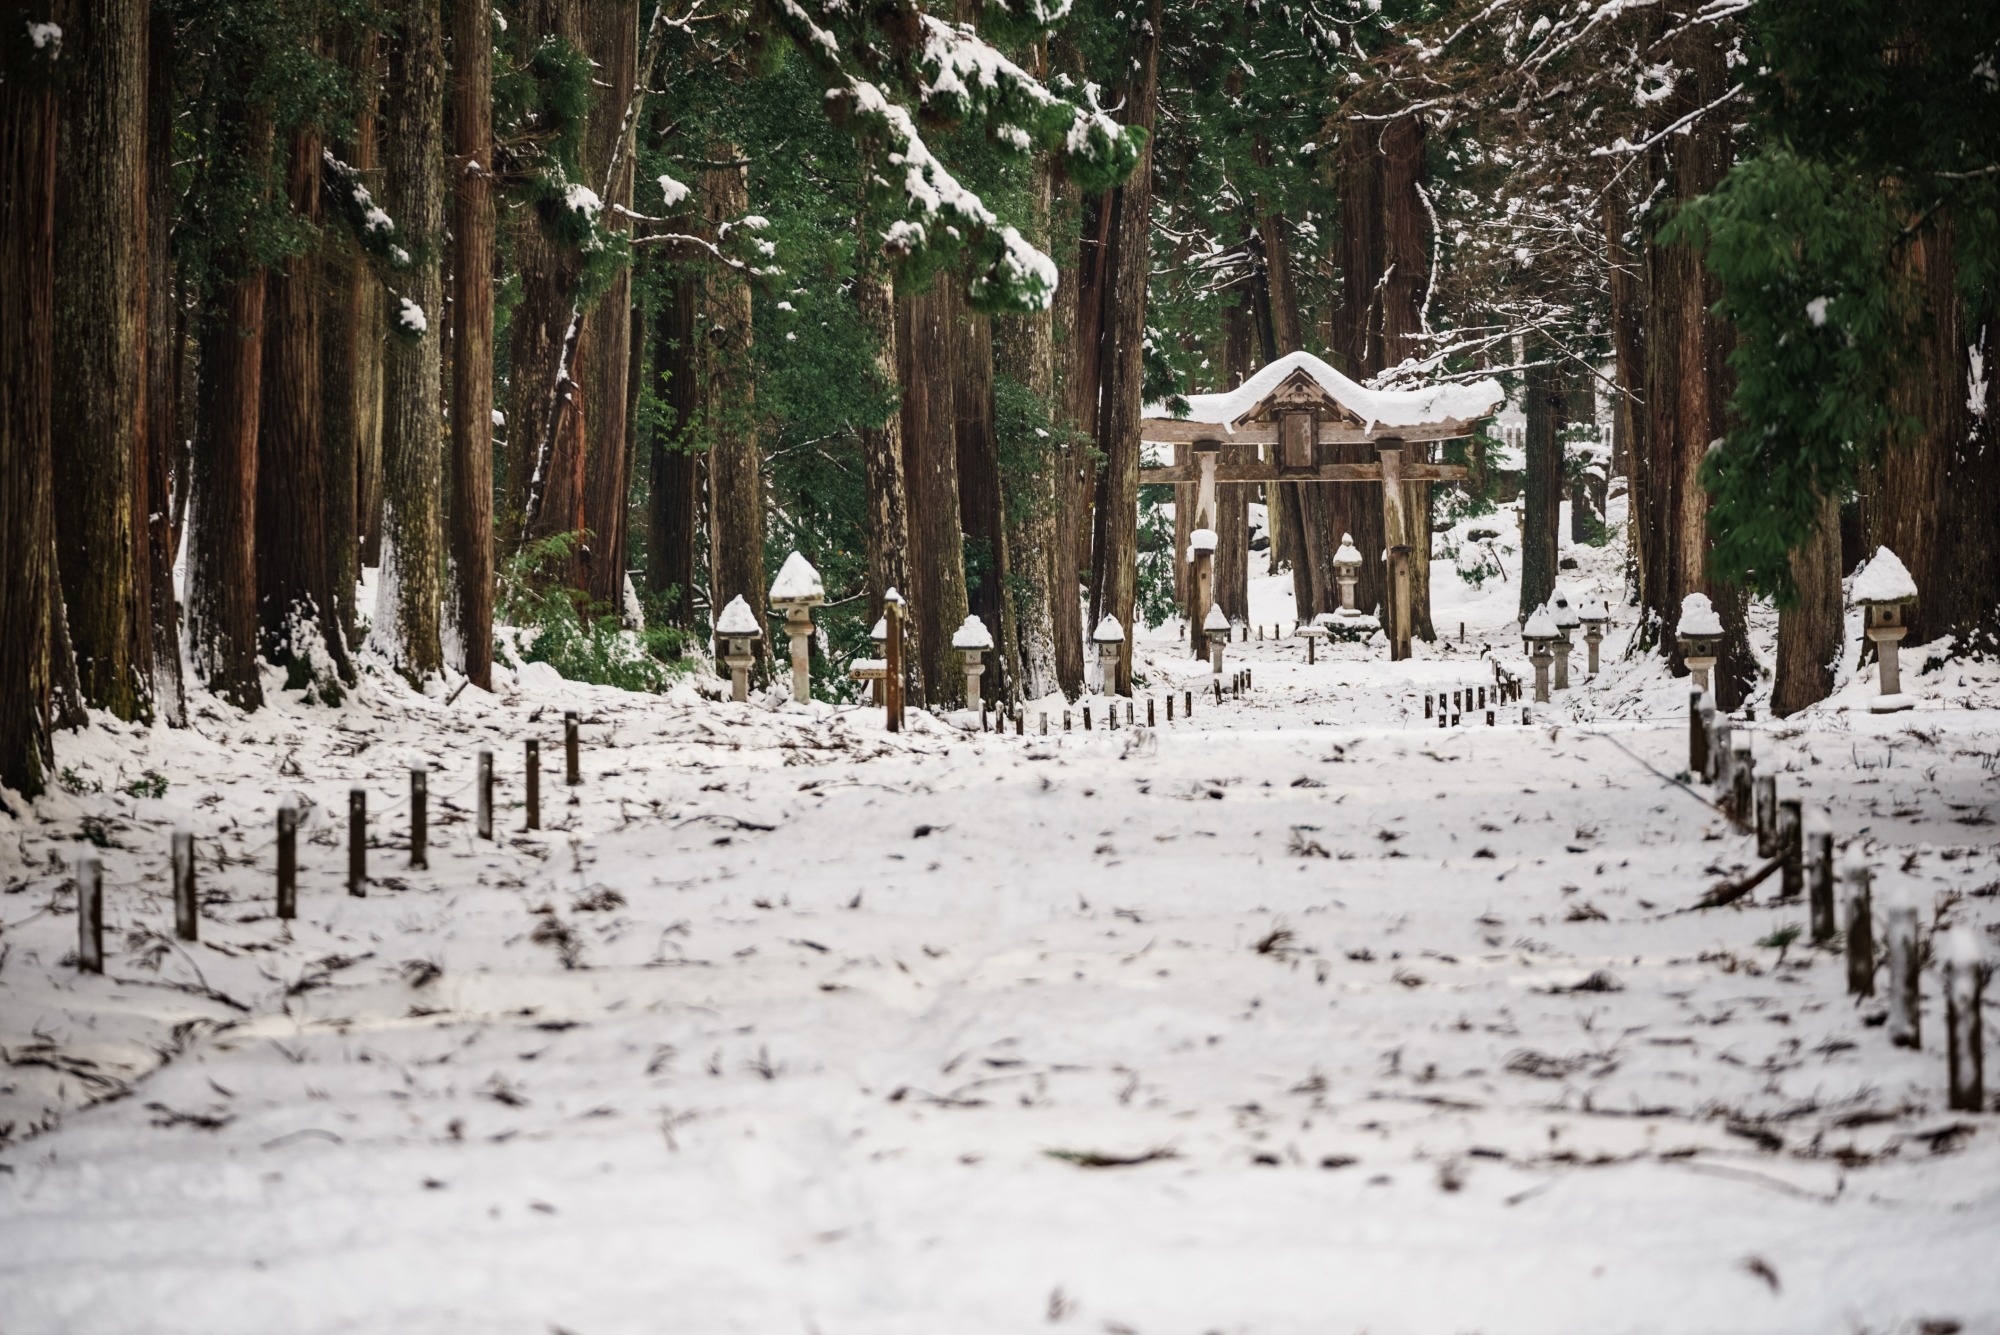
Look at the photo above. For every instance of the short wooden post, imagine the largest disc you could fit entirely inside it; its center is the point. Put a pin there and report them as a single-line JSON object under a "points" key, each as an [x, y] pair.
{"points": [[1527, 715], [1249, 679], [1430, 704], [1149, 711], [1086, 718], [1860, 920], [572, 769], [1819, 873], [985, 725], [357, 841], [1111, 717], [1489, 718], [1311, 640], [1767, 815], [90, 914], [1791, 847], [1170, 706], [1020, 723], [1743, 774], [484, 782], [288, 861], [420, 816], [1130, 717], [1045, 723], [187, 913], [533, 820], [1218, 689], [1965, 974], [1187, 704], [1697, 736], [1905, 977], [1066, 726], [1722, 756], [892, 665]]}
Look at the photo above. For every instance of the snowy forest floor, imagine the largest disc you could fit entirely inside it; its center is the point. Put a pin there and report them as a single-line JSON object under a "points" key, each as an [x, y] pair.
{"points": [[1301, 1016]]}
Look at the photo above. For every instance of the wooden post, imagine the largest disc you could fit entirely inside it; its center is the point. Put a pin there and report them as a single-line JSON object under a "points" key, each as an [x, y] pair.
{"points": [[1045, 723], [1860, 915], [420, 816], [1697, 736], [1149, 711], [533, 820], [288, 861], [187, 913], [1020, 723], [1066, 726], [1430, 704], [574, 770], [1395, 534], [1086, 718], [1965, 974], [1311, 640], [1722, 757], [892, 665], [1905, 977], [90, 914], [1399, 588], [1170, 706], [1767, 815], [357, 841], [1187, 704], [1819, 873], [1743, 774], [1218, 689], [484, 783], [1130, 716], [1791, 847], [1489, 718]]}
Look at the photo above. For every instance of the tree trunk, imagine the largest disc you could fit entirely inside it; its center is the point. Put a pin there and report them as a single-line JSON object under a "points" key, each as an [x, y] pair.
{"points": [[29, 597], [1232, 499], [370, 302], [100, 346], [980, 511], [1546, 407], [164, 437], [1358, 510], [735, 463], [927, 331], [472, 346], [672, 522], [222, 567], [612, 37], [1811, 633], [1406, 275], [1079, 317], [350, 372], [294, 586], [410, 598]]}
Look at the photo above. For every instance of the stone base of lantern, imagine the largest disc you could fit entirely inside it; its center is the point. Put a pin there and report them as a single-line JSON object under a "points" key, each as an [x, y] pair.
{"points": [[1892, 704]]}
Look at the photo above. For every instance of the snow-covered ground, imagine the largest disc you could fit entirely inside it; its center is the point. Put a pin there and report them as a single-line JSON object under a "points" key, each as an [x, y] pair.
{"points": [[1304, 1015]]}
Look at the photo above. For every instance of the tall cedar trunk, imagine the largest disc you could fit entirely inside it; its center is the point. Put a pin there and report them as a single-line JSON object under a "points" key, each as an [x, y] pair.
{"points": [[888, 520], [1079, 316], [1811, 632], [100, 344], [163, 405], [1309, 514], [1688, 387], [350, 367], [979, 500], [28, 594], [612, 38], [472, 345], [1628, 350], [371, 322], [735, 463], [1232, 499], [544, 447], [1406, 272], [927, 331], [1546, 408], [1114, 582], [672, 523], [222, 568], [294, 584], [410, 601], [1358, 324]]}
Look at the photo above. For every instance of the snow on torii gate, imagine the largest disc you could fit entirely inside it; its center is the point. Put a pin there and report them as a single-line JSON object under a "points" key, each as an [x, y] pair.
{"points": [[1296, 405]]}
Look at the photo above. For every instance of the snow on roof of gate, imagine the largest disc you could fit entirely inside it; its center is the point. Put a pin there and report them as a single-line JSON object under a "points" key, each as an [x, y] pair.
{"points": [[1374, 407]]}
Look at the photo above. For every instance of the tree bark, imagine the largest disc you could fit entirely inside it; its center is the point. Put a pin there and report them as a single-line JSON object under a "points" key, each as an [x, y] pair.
{"points": [[612, 39], [1232, 499], [672, 522], [1811, 633], [1406, 274], [980, 509], [164, 435], [29, 596], [735, 461], [927, 330], [1079, 318], [1546, 407], [410, 598], [1358, 324], [472, 346], [350, 371], [222, 567], [294, 584], [100, 346]]}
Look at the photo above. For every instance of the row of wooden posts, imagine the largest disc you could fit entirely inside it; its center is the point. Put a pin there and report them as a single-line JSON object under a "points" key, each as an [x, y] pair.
{"points": [[993, 720], [1797, 844], [1449, 708], [187, 903]]}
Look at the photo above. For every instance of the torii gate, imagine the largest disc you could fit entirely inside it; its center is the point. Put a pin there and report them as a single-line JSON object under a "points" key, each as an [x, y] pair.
{"points": [[1299, 403]]}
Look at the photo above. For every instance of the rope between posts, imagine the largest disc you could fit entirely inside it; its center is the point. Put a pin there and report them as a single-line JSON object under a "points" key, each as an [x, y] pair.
{"points": [[1658, 773]]}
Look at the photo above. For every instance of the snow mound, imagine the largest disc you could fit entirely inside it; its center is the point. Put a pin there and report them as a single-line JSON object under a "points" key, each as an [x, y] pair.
{"points": [[1109, 631], [1215, 619], [738, 619], [1377, 407], [1541, 625], [1884, 579], [1348, 552], [1698, 617], [972, 635], [797, 582]]}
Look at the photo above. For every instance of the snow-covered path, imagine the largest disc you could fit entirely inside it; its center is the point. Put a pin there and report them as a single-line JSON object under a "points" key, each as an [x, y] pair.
{"points": [[1411, 1027]]}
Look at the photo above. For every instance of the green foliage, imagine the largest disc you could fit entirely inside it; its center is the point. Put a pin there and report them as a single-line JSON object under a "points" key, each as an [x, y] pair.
{"points": [[75, 784], [1153, 600], [580, 640], [151, 784]]}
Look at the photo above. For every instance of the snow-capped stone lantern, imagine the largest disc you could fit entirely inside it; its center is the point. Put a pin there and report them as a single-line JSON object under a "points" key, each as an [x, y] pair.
{"points": [[1886, 594], [1107, 637], [795, 592], [1217, 627], [1567, 621], [1541, 634], [972, 639], [1347, 571], [738, 626], [1201, 555], [874, 670], [1698, 631], [1594, 614]]}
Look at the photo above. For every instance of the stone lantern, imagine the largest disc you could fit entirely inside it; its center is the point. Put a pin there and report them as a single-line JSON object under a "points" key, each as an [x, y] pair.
{"points": [[738, 626], [796, 591], [1347, 571], [1699, 630], [972, 639], [1886, 594], [1567, 621], [1217, 627], [1593, 614], [1107, 637], [1541, 634]]}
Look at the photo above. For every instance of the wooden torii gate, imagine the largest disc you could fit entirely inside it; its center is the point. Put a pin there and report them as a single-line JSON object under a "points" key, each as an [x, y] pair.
{"points": [[1298, 404]]}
